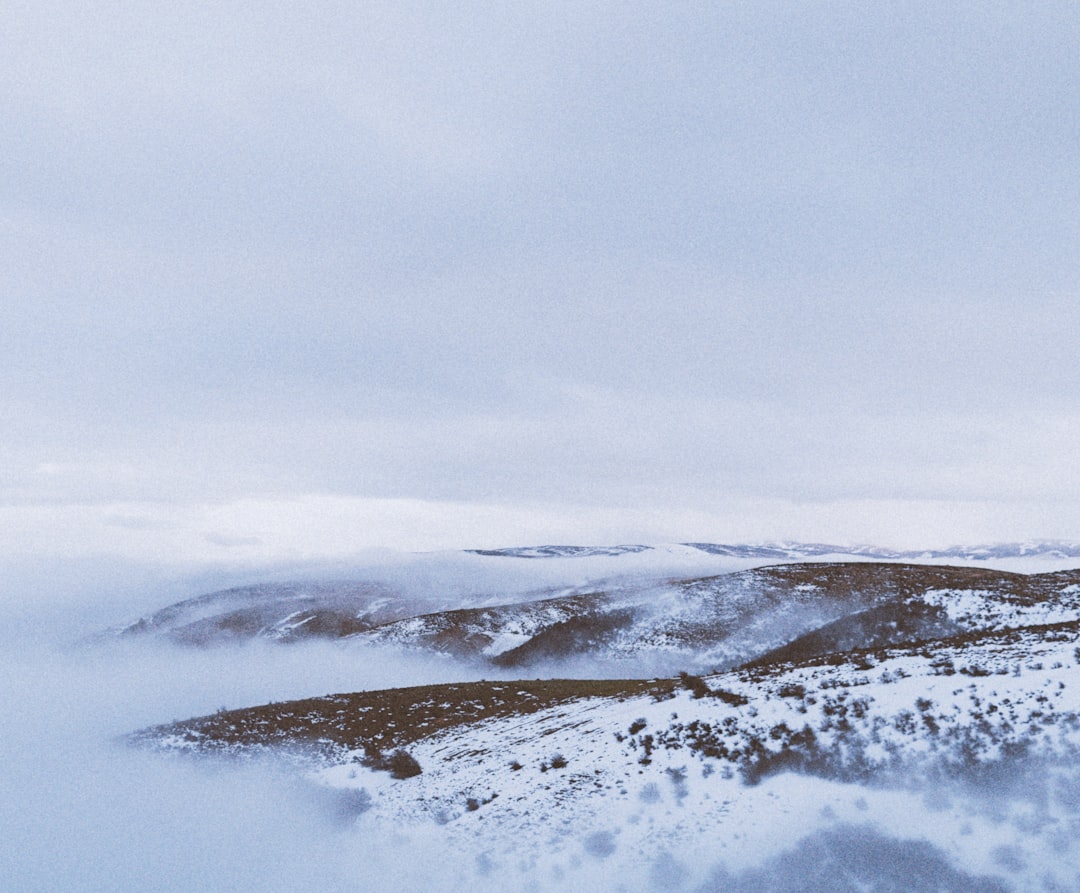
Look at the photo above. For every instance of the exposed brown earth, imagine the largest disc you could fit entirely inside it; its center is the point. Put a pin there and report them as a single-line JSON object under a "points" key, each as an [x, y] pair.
{"points": [[390, 718]]}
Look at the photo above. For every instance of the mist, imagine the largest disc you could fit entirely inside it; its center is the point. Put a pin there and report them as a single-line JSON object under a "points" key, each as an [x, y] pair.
{"points": [[286, 282], [84, 811]]}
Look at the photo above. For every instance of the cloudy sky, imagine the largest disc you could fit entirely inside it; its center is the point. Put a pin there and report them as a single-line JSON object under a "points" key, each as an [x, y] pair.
{"points": [[297, 279]]}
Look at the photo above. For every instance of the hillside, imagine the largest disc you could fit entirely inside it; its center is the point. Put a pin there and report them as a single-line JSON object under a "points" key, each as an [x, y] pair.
{"points": [[700, 623], [909, 718], [506, 769]]}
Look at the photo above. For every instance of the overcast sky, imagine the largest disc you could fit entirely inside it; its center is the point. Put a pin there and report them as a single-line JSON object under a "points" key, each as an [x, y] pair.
{"points": [[289, 279]]}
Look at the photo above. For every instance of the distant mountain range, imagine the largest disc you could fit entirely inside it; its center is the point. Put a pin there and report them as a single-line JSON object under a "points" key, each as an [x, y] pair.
{"points": [[797, 551]]}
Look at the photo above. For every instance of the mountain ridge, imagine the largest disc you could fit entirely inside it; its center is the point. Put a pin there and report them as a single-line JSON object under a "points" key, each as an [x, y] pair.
{"points": [[809, 692], [794, 550]]}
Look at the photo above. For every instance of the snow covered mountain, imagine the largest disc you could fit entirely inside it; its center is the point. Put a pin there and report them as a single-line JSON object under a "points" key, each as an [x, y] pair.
{"points": [[729, 619], [508, 770], [645, 625], [606, 591], [284, 612], [784, 551], [926, 714]]}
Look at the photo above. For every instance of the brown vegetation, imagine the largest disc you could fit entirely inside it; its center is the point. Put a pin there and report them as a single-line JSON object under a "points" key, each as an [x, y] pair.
{"points": [[387, 719]]}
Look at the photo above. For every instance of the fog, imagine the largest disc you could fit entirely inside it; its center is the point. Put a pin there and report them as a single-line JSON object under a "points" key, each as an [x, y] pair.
{"points": [[284, 281], [82, 811], [852, 859]]}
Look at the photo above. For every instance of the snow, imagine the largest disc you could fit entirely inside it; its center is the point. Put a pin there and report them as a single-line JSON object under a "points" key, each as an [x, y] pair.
{"points": [[287, 624], [607, 804], [903, 740], [505, 641], [976, 608]]}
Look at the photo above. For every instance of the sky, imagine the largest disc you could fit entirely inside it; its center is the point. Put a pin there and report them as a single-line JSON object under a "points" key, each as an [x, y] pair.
{"points": [[285, 281]]}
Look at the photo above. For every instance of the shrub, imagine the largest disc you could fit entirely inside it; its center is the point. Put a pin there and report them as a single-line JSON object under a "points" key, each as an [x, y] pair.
{"points": [[403, 764], [556, 762], [730, 697], [700, 689], [472, 803], [400, 764], [694, 684]]}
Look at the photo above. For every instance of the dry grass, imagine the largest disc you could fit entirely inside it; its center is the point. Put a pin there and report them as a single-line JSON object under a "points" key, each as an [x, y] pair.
{"points": [[390, 718]]}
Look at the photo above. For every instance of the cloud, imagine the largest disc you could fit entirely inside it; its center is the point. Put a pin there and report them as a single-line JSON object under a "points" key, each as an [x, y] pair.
{"points": [[228, 541], [255, 534], [563, 255]]}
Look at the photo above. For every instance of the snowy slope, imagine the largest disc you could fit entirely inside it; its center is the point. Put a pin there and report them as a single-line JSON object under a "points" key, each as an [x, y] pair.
{"points": [[725, 620], [875, 725], [683, 774], [639, 781], [426, 584]]}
